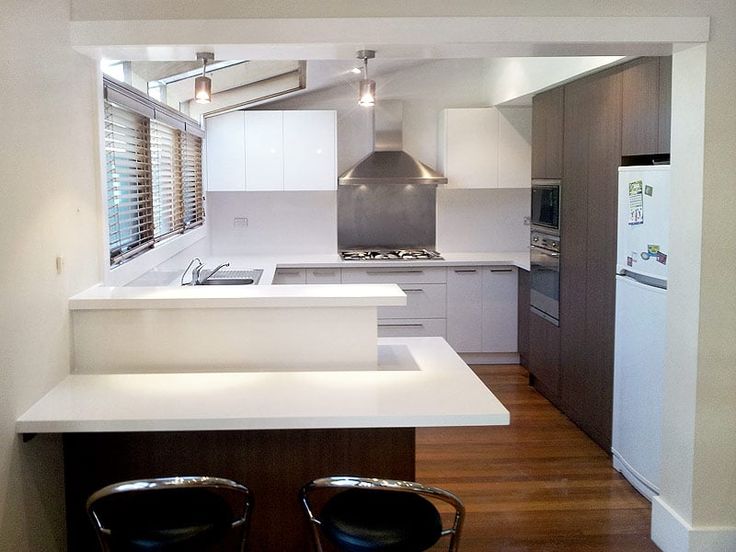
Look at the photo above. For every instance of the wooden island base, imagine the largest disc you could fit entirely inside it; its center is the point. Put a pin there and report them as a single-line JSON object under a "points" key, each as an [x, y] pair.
{"points": [[273, 464]]}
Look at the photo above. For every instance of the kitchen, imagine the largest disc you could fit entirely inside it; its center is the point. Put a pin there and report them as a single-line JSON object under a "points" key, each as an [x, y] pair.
{"points": [[87, 213]]}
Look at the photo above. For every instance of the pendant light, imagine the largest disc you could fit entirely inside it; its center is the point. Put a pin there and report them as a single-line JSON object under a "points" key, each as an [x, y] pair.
{"points": [[203, 84], [367, 94]]}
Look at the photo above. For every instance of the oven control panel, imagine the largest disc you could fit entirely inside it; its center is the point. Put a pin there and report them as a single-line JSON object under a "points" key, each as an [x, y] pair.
{"points": [[546, 241]]}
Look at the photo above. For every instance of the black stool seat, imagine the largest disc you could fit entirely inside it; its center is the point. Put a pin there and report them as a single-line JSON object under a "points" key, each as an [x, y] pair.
{"points": [[381, 521]]}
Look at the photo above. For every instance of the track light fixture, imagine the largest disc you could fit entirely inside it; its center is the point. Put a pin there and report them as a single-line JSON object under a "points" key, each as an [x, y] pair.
{"points": [[367, 94], [203, 84]]}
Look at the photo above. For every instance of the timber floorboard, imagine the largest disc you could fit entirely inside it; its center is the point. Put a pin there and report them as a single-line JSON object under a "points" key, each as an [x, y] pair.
{"points": [[539, 484]]}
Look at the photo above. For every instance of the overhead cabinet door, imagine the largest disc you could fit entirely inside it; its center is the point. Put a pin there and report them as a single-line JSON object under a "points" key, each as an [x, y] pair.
{"points": [[225, 152], [310, 160], [264, 151]]}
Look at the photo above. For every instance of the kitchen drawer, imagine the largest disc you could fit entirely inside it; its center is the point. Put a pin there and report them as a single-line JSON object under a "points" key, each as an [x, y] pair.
{"points": [[422, 301], [323, 275], [394, 275], [290, 276], [412, 327]]}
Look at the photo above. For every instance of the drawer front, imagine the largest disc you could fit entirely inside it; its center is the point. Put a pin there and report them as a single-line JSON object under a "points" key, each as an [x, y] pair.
{"points": [[396, 275], [422, 301], [323, 276], [412, 327], [290, 276]]}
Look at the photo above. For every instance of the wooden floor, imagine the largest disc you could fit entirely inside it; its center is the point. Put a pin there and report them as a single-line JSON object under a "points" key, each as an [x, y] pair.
{"points": [[537, 485]]}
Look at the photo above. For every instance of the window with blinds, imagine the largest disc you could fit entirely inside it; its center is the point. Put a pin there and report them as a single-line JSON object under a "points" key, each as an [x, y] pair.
{"points": [[154, 173]]}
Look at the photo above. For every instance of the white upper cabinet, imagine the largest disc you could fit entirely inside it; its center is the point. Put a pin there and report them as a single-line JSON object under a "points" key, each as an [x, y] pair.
{"points": [[514, 147], [468, 154], [225, 152], [310, 153], [264, 151], [486, 147], [272, 150]]}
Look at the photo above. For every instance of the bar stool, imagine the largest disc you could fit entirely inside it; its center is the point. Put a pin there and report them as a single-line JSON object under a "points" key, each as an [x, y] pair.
{"points": [[372, 515], [173, 514]]}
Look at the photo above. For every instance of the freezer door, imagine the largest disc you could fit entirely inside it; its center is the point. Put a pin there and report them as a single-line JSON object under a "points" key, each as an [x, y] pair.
{"points": [[643, 220], [641, 313]]}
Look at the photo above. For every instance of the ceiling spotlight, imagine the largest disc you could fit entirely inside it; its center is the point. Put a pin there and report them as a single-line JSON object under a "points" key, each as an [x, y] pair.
{"points": [[367, 94], [203, 84]]}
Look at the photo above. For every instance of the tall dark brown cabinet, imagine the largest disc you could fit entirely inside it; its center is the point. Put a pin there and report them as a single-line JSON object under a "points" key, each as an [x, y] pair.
{"points": [[620, 112], [592, 154]]}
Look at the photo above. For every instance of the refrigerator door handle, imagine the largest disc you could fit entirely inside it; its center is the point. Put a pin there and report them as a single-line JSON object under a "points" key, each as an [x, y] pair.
{"points": [[646, 280]]}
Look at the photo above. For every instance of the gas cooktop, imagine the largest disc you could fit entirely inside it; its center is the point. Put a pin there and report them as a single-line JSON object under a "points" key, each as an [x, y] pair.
{"points": [[390, 255]]}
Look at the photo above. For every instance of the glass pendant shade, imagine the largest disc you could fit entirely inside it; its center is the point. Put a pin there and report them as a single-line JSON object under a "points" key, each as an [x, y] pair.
{"points": [[367, 96], [203, 89]]}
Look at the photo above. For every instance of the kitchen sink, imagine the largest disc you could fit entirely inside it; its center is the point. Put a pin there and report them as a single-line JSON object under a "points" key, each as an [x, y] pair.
{"points": [[224, 277]]}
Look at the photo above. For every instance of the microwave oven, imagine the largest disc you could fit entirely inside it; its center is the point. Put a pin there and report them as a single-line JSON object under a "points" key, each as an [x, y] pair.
{"points": [[546, 204]]}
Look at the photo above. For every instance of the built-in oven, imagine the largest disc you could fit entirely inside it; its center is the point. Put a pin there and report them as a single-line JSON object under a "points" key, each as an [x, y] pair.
{"points": [[546, 205], [545, 276]]}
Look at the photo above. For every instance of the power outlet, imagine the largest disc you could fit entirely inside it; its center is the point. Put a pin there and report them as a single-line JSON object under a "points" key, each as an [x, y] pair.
{"points": [[240, 223]]}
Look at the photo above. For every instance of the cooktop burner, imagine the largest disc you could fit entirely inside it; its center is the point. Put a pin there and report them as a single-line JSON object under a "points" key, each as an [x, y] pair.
{"points": [[389, 255]]}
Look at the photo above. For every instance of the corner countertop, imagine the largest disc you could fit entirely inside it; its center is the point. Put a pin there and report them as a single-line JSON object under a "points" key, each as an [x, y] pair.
{"points": [[168, 275], [419, 382]]}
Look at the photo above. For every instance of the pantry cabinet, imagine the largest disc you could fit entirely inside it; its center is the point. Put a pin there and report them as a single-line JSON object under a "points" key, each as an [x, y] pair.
{"points": [[547, 132]]}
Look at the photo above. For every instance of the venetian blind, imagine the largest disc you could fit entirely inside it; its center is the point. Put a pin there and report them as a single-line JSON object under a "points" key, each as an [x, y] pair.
{"points": [[154, 173]]}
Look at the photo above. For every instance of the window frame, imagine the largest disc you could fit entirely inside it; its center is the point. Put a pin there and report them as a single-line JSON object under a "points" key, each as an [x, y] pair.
{"points": [[125, 267]]}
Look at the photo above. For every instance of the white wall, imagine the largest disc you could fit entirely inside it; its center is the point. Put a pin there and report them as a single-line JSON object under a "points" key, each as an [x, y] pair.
{"points": [[278, 222], [49, 177]]}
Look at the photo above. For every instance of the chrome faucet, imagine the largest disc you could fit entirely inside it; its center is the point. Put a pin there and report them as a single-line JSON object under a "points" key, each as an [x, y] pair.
{"points": [[210, 275], [195, 271]]}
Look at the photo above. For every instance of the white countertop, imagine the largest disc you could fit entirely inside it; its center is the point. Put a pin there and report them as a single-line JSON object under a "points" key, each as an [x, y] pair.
{"points": [[170, 276], [419, 382], [182, 297]]}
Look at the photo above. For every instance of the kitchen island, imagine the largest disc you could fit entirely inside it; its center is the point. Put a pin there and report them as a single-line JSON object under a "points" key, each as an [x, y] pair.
{"points": [[270, 425]]}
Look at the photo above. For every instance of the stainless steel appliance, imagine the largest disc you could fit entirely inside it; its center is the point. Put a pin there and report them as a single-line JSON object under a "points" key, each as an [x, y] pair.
{"points": [[545, 276], [390, 255], [546, 205]]}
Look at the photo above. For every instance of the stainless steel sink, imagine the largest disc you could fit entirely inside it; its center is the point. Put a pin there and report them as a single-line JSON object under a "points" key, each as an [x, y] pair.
{"points": [[224, 277]]}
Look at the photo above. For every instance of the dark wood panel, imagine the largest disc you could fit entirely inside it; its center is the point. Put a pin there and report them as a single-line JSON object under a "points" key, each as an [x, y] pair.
{"points": [[640, 101], [605, 157], [547, 133], [273, 464], [537, 485], [544, 357], [665, 103], [587, 291], [523, 317], [573, 252]]}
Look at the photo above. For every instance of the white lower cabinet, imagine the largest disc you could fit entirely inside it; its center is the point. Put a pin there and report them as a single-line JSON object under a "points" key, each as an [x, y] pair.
{"points": [[323, 276], [500, 309], [465, 308], [473, 307], [412, 327], [290, 276]]}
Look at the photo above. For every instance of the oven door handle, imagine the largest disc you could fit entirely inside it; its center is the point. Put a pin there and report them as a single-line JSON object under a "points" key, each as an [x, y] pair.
{"points": [[544, 251]]}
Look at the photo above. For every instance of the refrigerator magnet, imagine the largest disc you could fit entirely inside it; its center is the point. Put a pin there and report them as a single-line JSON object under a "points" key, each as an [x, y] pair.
{"points": [[644, 256], [661, 258], [636, 203], [648, 190], [652, 249], [629, 261]]}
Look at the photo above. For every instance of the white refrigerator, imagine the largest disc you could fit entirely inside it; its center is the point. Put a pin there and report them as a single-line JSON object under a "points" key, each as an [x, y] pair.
{"points": [[641, 313]]}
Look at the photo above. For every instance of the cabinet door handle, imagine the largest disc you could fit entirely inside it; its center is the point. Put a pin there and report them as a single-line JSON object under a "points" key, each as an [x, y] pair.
{"points": [[401, 325], [323, 272], [289, 272], [409, 290], [465, 270], [502, 270], [394, 271]]}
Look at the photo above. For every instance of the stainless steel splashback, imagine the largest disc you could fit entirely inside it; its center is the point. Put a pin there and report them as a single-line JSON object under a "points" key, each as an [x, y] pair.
{"points": [[387, 216]]}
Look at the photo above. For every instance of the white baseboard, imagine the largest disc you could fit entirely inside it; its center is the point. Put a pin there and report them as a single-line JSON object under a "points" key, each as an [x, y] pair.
{"points": [[490, 358], [673, 534]]}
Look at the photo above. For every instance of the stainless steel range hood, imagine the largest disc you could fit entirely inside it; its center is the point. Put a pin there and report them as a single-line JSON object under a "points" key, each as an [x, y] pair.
{"points": [[389, 164]]}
